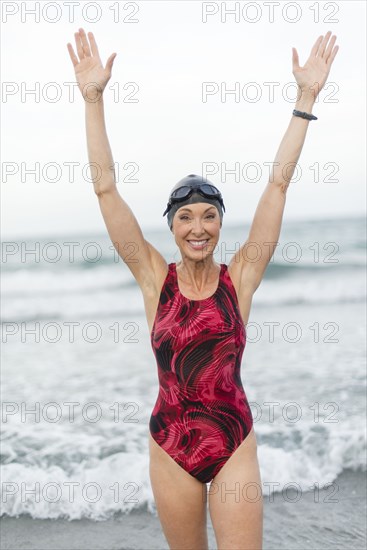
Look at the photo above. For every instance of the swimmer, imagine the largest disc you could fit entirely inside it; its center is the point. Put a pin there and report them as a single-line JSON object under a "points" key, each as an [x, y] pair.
{"points": [[201, 428]]}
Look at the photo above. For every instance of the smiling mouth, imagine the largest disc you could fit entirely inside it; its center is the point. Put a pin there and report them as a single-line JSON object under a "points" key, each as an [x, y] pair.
{"points": [[198, 244]]}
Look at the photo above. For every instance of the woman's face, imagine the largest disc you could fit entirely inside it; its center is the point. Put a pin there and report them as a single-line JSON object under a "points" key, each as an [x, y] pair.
{"points": [[194, 223]]}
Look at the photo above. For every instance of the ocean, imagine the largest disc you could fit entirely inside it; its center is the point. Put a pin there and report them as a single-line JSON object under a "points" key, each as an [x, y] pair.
{"points": [[79, 378]]}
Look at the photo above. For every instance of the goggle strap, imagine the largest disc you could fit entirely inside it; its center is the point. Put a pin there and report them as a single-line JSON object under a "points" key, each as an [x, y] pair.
{"points": [[169, 206]]}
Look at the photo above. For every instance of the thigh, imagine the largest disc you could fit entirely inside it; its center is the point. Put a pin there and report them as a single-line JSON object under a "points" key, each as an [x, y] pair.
{"points": [[235, 500], [181, 501]]}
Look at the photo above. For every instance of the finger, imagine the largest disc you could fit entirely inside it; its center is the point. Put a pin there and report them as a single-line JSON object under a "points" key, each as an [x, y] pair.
{"points": [[332, 56], [316, 45], [79, 47], [323, 44], [110, 61], [93, 44], [73, 57], [329, 48], [85, 44], [295, 59]]}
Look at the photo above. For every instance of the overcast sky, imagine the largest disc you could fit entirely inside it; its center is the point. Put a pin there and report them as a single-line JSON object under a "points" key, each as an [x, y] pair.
{"points": [[160, 125]]}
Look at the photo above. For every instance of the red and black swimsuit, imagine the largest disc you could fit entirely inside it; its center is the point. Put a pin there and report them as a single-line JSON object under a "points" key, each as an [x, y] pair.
{"points": [[201, 414]]}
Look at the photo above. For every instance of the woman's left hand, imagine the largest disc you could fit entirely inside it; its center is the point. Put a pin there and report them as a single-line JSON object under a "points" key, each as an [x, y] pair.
{"points": [[312, 77]]}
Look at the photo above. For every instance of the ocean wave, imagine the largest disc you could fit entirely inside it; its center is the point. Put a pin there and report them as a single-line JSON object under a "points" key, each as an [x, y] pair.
{"points": [[99, 488], [118, 300]]}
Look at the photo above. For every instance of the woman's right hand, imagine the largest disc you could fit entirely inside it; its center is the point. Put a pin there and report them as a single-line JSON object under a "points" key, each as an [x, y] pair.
{"points": [[92, 78]]}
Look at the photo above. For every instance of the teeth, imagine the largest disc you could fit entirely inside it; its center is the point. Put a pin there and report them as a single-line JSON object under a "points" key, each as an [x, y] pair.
{"points": [[199, 243]]}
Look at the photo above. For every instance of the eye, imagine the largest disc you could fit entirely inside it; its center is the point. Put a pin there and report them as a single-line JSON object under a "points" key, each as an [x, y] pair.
{"points": [[185, 217]]}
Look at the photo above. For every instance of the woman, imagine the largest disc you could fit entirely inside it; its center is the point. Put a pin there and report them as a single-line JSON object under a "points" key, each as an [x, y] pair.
{"points": [[201, 428]]}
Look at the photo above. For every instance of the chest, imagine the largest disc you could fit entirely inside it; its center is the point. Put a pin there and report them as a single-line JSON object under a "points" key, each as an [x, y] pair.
{"points": [[198, 325]]}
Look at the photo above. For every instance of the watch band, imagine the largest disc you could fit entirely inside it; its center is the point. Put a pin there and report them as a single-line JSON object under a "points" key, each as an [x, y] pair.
{"points": [[301, 114]]}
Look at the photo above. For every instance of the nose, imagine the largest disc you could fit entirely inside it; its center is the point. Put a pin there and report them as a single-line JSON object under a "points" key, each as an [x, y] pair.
{"points": [[197, 228]]}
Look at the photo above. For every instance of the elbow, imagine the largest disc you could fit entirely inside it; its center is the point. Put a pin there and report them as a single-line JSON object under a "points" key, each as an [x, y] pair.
{"points": [[104, 188], [282, 186], [102, 193], [98, 191]]}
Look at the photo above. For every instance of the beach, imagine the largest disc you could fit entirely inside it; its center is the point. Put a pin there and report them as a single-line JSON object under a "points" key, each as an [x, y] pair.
{"points": [[333, 518], [79, 383]]}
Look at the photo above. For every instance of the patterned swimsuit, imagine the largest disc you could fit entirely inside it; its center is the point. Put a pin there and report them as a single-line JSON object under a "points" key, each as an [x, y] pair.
{"points": [[201, 414]]}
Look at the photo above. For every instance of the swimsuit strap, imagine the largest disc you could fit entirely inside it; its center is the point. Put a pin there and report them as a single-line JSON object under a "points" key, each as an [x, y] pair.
{"points": [[225, 283], [172, 280]]}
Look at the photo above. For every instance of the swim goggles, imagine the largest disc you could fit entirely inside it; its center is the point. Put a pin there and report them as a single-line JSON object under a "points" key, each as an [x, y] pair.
{"points": [[183, 193]]}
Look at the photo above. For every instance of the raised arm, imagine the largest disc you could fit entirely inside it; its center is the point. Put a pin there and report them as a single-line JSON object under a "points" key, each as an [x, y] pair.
{"points": [[251, 260], [125, 233]]}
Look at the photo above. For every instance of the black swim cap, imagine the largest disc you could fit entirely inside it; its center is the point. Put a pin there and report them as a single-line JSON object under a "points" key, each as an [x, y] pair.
{"points": [[193, 182]]}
